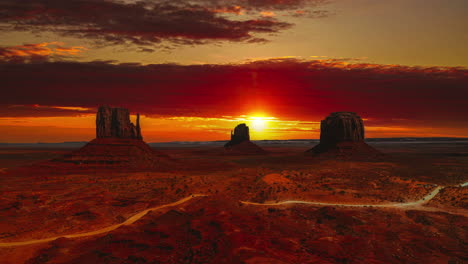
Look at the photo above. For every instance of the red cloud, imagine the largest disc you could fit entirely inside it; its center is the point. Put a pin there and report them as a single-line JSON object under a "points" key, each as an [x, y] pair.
{"points": [[285, 88]]}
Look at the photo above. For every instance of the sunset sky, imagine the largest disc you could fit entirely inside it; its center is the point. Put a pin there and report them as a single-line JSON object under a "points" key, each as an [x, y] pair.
{"points": [[196, 69]]}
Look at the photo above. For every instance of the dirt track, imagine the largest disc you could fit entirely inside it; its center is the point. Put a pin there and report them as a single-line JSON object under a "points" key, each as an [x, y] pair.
{"points": [[129, 221]]}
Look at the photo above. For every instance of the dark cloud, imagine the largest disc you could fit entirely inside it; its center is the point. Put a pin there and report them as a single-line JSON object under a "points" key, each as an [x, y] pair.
{"points": [[281, 4], [286, 88], [142, 23], [239, 6]]}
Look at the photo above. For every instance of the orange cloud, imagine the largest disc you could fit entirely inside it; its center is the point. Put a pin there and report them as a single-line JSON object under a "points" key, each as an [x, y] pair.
{"points": [[267, 14], [39, 50], [238, 10]]}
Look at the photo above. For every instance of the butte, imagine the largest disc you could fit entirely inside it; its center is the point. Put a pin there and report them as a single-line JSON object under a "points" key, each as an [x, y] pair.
{"points": [[118, 143], [342, 135], [240, 143]]}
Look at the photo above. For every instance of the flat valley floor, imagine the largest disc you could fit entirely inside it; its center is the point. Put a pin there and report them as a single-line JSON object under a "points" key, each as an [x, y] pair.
{"points": [[206, 206]]}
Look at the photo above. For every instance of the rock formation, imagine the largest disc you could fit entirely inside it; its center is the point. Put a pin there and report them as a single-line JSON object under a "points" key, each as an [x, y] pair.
{"points": [[240, 143], [342, 134], [239, 135], [118, 142], [115, 122], [340, 127]]}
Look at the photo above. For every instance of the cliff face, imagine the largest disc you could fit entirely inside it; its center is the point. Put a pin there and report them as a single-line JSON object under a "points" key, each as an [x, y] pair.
{"points": [[239, 135], [115, 122], [341, 127]]}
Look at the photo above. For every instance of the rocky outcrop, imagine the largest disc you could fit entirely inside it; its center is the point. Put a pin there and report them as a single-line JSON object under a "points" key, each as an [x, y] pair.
{"points": [[138, 128], [115, 123], [342, 134], [240, 143], [239, 135], [341, 127], [118, 143]]}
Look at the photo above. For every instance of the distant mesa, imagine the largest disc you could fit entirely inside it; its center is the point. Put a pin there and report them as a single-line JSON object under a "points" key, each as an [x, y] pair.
{"points": [[240, 143], [118, 142], [342, 134]]}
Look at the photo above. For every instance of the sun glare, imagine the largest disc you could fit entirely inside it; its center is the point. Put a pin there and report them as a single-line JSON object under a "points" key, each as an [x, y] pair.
{"points": [[259, 123]]}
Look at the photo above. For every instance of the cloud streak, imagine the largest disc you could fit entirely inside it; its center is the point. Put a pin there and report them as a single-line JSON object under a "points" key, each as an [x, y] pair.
{"points": [[39, 51]]}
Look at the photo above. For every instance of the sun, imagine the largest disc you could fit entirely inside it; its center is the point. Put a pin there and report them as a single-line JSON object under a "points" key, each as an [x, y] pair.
{"points": [[258, 123]]}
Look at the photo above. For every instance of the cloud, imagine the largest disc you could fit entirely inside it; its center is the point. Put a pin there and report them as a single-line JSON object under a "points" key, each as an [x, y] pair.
{"points": [[287, 88], [39, 51], [43, 111], [267, 14], [280, 4], [311, 13], [148, 23], [238, 10]]}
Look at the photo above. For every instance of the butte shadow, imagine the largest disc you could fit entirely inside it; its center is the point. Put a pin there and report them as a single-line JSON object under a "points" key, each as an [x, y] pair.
{"points": [[342, 136]]}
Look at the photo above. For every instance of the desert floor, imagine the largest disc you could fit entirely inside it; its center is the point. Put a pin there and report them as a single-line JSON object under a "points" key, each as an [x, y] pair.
{"points": [[205, 206]]}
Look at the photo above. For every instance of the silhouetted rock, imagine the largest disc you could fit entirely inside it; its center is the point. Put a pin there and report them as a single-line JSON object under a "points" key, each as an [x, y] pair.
{"points": [[118, 143], [239, 135], [340, 127], [342, 134], [240, 143], [138, 128], [115, 122]]}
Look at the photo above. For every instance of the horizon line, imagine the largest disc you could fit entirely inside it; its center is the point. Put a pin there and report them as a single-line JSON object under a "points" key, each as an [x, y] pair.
{"points": [[189, 141]]}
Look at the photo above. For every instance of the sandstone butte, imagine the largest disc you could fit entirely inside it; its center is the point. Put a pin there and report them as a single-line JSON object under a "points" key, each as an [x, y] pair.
{"points": [[240, 143], [118, 143], [342, 135]]}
